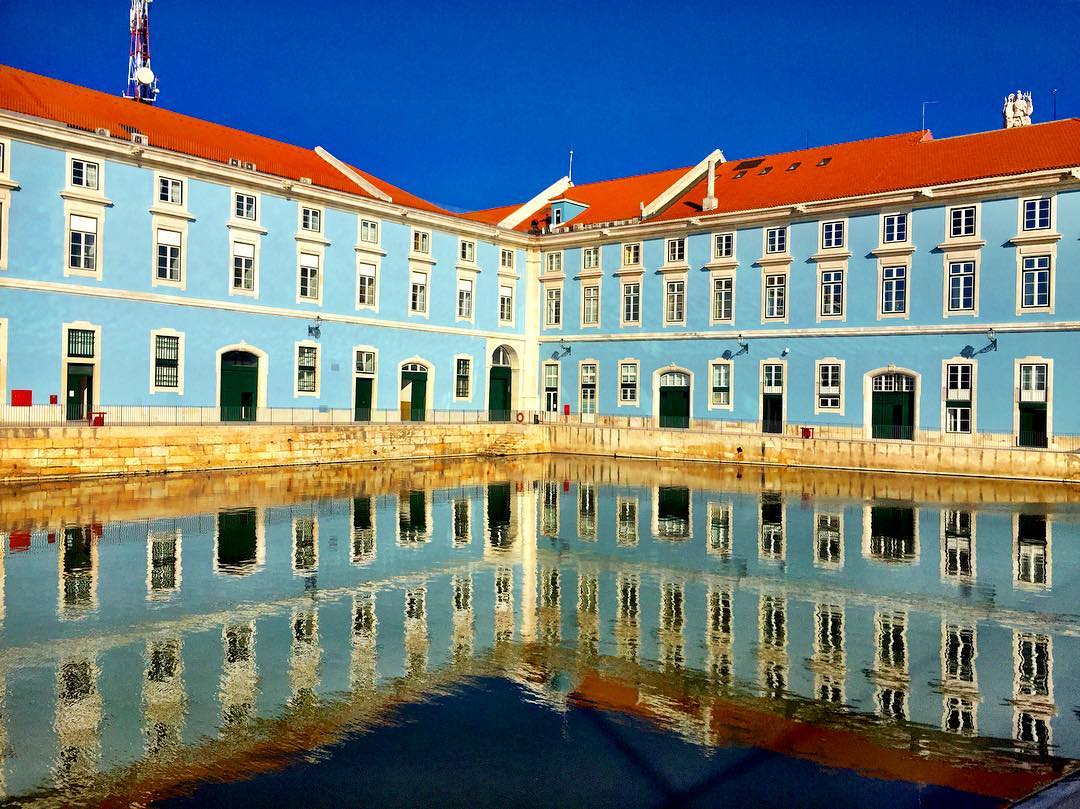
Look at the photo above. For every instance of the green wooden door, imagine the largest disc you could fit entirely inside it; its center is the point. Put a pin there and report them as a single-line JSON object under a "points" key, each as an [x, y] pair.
{"points": [[239, 386], [772, 412], [1032, 425], [675, 406], [79, 397], [893, 414], [362, 405], [418, 392], [499, 394]]}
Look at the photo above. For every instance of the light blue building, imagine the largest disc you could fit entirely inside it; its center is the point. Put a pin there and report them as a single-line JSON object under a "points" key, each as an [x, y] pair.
{"points": [[895, 288]]}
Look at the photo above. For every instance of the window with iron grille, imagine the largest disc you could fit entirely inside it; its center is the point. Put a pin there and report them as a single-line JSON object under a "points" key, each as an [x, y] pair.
{"points": [[307, 358], [462, 377], [166, 361], [80, 343]]}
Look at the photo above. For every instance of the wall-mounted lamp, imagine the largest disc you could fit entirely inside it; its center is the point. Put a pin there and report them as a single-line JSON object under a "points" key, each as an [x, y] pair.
{"points": [[744, 348], [991, 335], [562, 351], [785, 352], [315, 329]]}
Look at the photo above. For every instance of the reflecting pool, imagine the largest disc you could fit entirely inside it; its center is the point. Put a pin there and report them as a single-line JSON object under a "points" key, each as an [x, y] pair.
{"points": [[538, 632]]}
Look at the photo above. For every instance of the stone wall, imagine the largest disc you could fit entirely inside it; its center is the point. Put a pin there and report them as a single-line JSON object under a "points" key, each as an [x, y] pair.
{"points": [[827, 453], [33, 453], [30, 454]]}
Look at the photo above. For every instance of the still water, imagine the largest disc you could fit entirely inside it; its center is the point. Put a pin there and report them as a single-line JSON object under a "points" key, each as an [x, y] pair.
{"points": [[538, 632]]}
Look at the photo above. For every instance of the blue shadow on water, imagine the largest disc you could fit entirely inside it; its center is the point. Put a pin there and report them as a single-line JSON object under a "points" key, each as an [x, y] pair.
{"points": [[490, 743]]}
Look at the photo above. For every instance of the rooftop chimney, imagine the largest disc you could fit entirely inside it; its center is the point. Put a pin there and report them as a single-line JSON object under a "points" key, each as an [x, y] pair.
{"points": [[709, 203]]}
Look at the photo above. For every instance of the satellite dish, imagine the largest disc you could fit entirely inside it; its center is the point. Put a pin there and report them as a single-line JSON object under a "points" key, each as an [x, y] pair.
{"points": [[144, 75]]}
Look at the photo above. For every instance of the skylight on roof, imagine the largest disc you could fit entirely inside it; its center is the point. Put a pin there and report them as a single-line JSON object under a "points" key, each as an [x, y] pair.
{"points": [[750, 164], [794, 165], [740, 174], [765, 170], [824, 161]]}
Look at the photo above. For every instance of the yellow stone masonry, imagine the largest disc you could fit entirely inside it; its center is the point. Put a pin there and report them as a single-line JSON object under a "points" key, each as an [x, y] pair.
{"points": [[29, 454]]}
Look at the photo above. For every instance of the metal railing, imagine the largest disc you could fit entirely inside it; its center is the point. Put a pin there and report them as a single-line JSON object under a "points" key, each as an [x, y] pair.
{"points": [[173, 415]]}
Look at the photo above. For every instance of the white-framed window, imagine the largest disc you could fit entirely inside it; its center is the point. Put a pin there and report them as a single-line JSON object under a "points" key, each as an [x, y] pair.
{"points": [[1037, 213], [3, 157], [170, 191], [553, 306], [506, 259], [168, 256], [467, 251], [1035, 283], [962, 221], [631, 253], [421, 242], [631, 302], [369, 231], [556, 216], [506, 303], [465, 298], [309, 288], [676, 250], [588, 388], [590, 258], [85, 174], [961, 286], [554, 263], [418, 292], [244, 206], [675, 301], [832, 235], [775, 296], [307, 369], [959, 395], [628, 382], [82, 243], [366, 281], [1033, 381], [365, 362], [894, 228], [894, 290], [723, 245], [243, 267], [723, 299], [776, 240], [551, 387], [829, 385], [311, 219], [590, 305], [832, 293], [462, 378], [166, 359], [720, 384]]}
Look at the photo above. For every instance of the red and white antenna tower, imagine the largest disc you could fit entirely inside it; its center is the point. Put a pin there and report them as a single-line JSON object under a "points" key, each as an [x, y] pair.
{"points": [[141, 82]]}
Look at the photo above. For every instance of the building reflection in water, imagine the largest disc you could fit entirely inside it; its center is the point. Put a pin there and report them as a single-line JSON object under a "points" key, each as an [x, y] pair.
{"points": [[848, 613]]}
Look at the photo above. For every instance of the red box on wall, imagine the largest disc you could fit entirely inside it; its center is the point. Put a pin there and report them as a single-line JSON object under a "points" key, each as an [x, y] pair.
{"points": [[22, 398]]}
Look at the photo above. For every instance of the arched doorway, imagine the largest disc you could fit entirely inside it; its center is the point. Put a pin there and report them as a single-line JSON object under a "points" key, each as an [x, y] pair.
{"points": [[239, 391], [892, 411], [499, 385], [675, 399], [414, 383]]}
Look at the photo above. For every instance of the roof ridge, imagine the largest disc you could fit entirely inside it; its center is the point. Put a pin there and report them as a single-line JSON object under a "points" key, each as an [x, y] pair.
{"points": [[1070, 119]]}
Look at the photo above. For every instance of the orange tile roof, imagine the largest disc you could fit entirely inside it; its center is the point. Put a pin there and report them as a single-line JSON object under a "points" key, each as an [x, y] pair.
{"points": [[82, 108], [890, 163]]}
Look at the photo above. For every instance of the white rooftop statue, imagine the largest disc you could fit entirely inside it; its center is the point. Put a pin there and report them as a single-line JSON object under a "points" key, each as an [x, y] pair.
{"points": [[1017, 110]]}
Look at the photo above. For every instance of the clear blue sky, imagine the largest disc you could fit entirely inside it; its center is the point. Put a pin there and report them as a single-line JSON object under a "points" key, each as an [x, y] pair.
{"points": [[474, 105]]}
